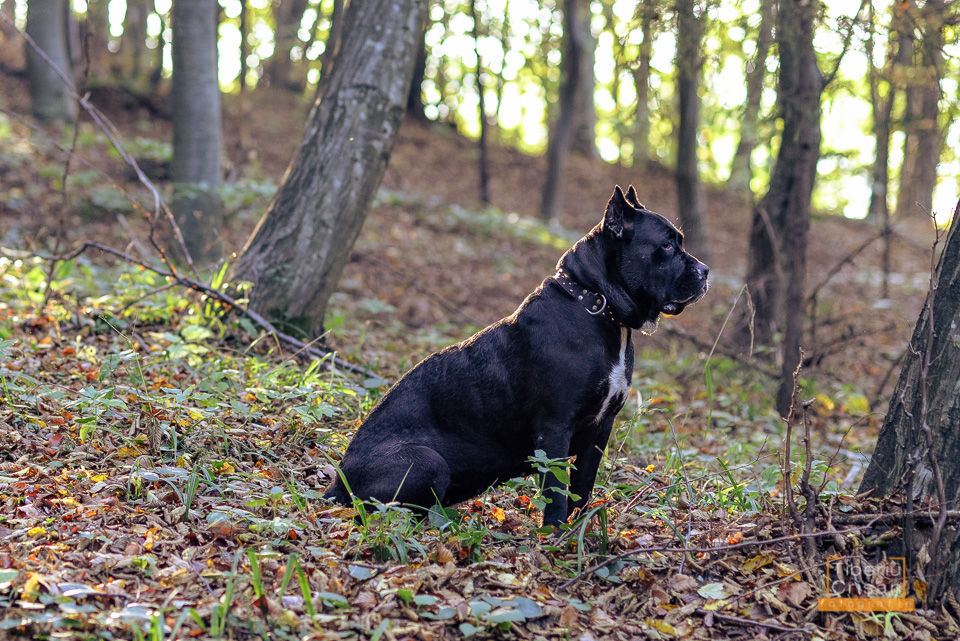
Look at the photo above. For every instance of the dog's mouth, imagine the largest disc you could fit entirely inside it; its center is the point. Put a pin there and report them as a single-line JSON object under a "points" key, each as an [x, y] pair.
{"points": [[675, 307]]}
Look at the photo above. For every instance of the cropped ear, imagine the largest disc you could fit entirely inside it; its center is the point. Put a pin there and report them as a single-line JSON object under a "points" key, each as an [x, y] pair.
{"points": [[618, 218], [632, 198]]}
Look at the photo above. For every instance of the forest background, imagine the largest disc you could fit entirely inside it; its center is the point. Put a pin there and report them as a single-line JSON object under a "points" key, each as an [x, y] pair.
{"points": [[153, 441]]}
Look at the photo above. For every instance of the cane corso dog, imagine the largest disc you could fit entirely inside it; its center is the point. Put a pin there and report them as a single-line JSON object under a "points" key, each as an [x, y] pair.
{"points": [[551, 376]]}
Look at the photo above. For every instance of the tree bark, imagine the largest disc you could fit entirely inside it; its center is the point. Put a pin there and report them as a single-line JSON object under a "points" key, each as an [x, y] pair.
{"points": [[561, 138], [778, 236], [195, 97], [49, 96], [919, 443], [741, 169], [297, 252], [690, 208]]}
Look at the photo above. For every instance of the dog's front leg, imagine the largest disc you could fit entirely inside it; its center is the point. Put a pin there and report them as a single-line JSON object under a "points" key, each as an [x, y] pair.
{"points": [[555, 443], [588, 462]]}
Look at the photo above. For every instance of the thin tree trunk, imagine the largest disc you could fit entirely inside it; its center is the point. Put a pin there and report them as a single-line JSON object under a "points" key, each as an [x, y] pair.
{"points": [[49, 95], [481, 111], [94, 35], [689, 190], [584, 136], [741, 170], [278, 69], [919, 442], [561, 138], [298, 250], [924, 140], [195, 95], [641, 80], [778, 236], [415, 106], [331, 46], [133, 45]]}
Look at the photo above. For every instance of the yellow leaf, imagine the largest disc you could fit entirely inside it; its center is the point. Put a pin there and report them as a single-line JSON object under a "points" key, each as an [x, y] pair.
{"points": [[197, 416], [37, 531], [920, 589], [825, 402], [29, 592], [127, 451], [663, 626], [70, 502], [98, 478], [498, 514], [857, 405], [223, 468], [753, 564]]}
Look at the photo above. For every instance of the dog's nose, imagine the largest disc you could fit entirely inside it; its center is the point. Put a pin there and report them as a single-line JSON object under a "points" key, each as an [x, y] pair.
{"points": [[703, 271]]}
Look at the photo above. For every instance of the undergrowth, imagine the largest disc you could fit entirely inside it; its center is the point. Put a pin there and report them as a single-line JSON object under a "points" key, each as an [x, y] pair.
{"points": [[183, 457]]}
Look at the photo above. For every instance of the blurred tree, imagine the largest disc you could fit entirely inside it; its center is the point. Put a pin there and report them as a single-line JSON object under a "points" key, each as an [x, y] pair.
{"points": [[415, 106], [584, 135], [49, 95], [135, 57], [94, 36], [919, 442], [563, 132], [924, 140], [776, 262], [648, 13], [331, 45], [690, 210], [278, 69], [741, 170], [481, 109], [195, 96], [297, 252]]}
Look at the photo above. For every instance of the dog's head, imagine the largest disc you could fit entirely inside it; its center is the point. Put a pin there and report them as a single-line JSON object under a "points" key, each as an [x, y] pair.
{"points": [[645, 253]]}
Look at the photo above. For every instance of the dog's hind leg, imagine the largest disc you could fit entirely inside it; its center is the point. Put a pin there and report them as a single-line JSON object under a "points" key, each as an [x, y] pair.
{"points": [[413, 475]]}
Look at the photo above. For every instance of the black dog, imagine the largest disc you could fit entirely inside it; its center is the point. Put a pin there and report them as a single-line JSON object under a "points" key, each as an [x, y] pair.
{"points": [[551, 376]]}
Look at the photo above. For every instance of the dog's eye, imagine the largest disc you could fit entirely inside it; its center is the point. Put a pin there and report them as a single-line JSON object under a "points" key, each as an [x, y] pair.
{"points": [[667, 246]]}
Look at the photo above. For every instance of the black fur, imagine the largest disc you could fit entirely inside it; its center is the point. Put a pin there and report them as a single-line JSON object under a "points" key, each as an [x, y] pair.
{"points": [[470, 415]]}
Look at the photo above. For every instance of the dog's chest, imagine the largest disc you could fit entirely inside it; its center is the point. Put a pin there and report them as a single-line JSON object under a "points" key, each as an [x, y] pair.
{"points": [[618, 382]]}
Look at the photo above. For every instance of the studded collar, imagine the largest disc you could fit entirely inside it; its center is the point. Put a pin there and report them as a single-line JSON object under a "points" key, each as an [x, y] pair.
{"points": [[595, 304]]}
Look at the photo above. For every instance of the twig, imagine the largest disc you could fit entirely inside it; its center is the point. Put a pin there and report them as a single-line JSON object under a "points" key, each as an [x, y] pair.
{"points": [[227, 301], [719, 548], [740, 621]]}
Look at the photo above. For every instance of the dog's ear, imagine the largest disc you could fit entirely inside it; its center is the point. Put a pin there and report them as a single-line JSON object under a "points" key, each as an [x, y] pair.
{"points": [[618, 218], [632, 198]]}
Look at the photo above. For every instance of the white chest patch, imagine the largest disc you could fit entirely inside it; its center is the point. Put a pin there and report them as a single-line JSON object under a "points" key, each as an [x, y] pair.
{"points": [[618, 384]]}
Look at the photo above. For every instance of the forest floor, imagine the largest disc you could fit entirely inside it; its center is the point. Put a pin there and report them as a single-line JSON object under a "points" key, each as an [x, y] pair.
{"points": [[161, 466]]}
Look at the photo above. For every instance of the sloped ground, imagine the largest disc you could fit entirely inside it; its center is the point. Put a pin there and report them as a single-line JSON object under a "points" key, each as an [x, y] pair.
{"points": [[160, 472]]}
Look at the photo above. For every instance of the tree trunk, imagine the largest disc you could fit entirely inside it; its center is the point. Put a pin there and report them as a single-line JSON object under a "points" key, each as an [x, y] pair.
{"points": [[689, 190], [481, 110], [133, 43], [561, 138], [923, 141], [331, 46], [94, 35], [741, 169], [584, 135], [49, 95], [641, 81], [415, 106], [919, 443], [299, 248], [195, 96], [278, 69], [778, 236]]}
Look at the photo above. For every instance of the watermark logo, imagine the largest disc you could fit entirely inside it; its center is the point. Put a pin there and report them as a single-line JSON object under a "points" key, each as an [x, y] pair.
{"points": [[883, 574]]}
